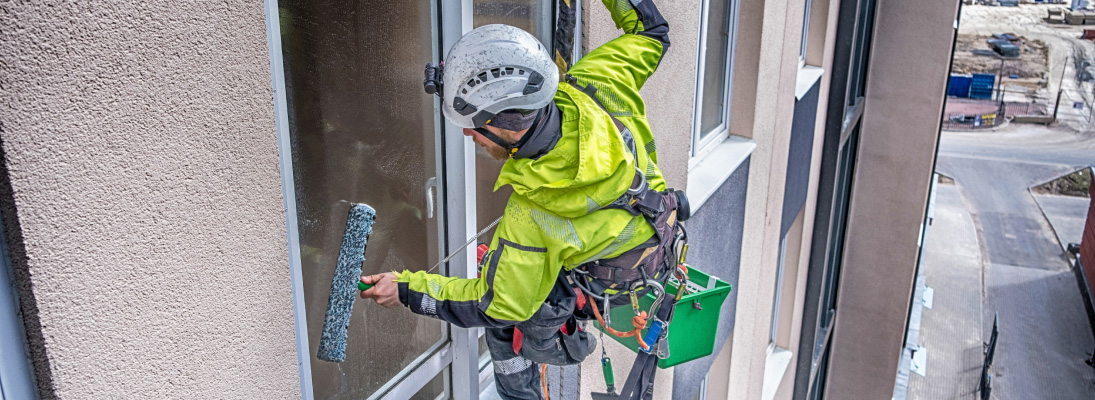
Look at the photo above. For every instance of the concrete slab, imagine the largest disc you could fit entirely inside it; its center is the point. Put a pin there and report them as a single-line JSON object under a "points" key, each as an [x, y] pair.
{"points": [[1066, 214]]}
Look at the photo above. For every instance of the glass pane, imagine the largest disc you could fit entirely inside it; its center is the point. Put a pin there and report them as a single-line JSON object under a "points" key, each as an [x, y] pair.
{"points": [[840, 210], [362, 130], [773, 331], [713, 104], [433, 390], [857, 83], [805, 31], [534, 16], [483, 345], [817, 387]]}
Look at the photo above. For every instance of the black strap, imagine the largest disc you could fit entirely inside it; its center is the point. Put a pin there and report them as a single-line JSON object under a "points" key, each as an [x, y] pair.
{"points": [[511, 148], [640, 381]]}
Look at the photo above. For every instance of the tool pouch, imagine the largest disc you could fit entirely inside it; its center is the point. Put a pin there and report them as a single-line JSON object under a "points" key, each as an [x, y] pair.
{"points": [[553, 335]]}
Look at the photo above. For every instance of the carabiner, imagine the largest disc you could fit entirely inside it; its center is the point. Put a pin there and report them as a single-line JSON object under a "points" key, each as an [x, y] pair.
{"points": [[654, 285]]}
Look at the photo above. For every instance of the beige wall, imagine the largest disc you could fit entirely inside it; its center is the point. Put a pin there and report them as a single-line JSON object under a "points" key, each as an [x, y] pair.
{"points": [[893, 172], [140, 145], [776, 63]]}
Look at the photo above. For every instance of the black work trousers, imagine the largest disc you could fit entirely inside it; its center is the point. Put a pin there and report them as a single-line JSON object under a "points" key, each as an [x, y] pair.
{"points": [[553, 335]]}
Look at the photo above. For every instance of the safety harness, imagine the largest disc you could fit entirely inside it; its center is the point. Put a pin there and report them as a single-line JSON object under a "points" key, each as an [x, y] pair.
{"points": [[643, 269]]}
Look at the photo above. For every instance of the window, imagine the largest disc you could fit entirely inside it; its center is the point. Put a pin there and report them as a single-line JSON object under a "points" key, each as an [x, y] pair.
{"points": [[355, 138], [715, 70], [846, 104], [773, 334], [864, 24], [805, 34], [831, 281]]}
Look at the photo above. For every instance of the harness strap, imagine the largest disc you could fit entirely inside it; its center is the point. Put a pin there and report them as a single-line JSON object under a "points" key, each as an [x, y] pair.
{"points": [[640, 381]]}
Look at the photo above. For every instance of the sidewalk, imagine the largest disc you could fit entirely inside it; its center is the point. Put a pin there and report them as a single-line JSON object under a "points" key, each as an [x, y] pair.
{"points": [[1066, 215], [950, 330]]}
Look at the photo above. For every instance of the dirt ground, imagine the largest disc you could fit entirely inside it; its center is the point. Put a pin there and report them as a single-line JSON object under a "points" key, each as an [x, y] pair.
{"points": [[1074, 184], [974, 55]]}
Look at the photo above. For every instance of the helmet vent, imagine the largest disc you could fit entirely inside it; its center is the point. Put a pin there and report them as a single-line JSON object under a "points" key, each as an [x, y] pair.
{"points": [[495, 72], [482, 76]]}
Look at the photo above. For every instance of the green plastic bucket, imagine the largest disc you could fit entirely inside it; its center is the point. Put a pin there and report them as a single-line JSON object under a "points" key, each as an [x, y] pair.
{"points": [[692, 332]]}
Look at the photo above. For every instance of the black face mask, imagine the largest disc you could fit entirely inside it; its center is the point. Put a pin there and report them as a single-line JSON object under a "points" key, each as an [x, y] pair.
{"points": [[537, 141]]}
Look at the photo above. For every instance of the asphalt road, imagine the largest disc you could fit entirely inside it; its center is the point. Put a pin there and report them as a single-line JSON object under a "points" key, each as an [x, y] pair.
{"points": [[1027, 279]]}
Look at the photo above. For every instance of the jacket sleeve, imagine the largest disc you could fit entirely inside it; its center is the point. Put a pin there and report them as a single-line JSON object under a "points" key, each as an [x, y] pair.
{"points": [[510, 288], [633, 56], [640, 19]]}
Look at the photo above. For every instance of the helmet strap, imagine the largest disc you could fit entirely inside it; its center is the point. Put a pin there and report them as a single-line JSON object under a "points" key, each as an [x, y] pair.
{"points": [[497, 140], [512, 148]]}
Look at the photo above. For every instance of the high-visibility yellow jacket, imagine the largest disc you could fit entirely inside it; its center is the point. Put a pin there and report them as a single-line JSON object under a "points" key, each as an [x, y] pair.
{"points": [[554, 218]]}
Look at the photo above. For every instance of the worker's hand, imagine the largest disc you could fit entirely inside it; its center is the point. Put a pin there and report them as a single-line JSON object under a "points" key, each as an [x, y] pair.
{"points": [[385, 293]]}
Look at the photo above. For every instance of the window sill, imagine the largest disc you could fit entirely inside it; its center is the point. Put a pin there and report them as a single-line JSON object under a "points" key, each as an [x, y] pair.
{"points": [[775, 366], [708, 172], [808, 75]]}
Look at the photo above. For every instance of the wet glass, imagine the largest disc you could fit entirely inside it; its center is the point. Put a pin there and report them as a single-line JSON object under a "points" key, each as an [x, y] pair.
{"points": [[433, 390], [715, 62], [534, 16], [363, 131]]}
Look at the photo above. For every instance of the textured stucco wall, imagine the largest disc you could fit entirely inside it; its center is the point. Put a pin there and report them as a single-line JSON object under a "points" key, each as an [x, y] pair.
{"points": [[669, 93], [893, 172], [149, 233]]}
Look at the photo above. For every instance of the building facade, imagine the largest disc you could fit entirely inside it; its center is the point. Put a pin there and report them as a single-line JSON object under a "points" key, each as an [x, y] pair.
{"points": [[176, 175]]}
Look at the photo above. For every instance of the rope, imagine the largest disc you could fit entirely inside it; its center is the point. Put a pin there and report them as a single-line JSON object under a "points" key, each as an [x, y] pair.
{"points": [[638, 321], [543, 382]]}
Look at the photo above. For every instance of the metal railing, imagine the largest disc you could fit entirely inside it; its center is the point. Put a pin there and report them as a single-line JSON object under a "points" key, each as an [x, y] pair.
{"points": [[985, 387]]}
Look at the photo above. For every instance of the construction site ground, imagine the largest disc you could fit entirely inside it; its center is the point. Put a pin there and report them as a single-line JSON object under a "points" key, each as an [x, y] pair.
{"points": [[1066, 57]]}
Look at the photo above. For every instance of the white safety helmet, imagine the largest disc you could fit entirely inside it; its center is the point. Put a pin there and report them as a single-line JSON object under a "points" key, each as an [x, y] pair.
{"points": [[491, 69]]}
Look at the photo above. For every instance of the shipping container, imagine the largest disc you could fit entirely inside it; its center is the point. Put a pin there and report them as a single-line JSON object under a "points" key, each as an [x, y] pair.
{"points": [[959, 85]]}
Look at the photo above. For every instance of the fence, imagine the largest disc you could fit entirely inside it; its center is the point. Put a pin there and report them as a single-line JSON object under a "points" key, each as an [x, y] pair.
{"points": [[985, 387]]}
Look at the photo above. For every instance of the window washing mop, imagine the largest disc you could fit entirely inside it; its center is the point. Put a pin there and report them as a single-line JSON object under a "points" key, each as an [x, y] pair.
{"points": [[359, 225]]}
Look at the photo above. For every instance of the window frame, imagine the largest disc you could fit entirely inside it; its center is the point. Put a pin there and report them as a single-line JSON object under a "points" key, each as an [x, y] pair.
{"points": [[804, 44], [703, 146]]}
